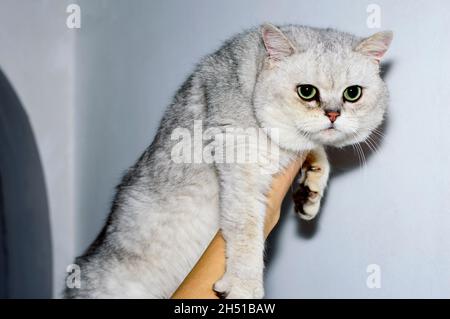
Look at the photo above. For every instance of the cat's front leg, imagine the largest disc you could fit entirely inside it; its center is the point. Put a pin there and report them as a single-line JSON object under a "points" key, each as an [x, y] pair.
{"points": [[313, 181], [242, 204]]}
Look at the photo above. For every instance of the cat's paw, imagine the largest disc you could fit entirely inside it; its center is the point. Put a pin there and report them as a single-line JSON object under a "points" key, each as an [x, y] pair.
{"points": [[233, 287], [313, 182], [307, 202]]}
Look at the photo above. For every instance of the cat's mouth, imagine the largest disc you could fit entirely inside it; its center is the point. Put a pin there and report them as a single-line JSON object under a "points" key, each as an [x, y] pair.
{"points": [[330, 129], [330, 135]]}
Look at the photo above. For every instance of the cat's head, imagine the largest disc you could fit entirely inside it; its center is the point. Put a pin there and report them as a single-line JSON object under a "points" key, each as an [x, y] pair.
{"points": [[320, 87]]}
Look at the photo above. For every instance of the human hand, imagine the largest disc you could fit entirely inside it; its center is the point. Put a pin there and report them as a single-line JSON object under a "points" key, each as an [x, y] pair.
{"points": [[211, 266], [280, 186]]}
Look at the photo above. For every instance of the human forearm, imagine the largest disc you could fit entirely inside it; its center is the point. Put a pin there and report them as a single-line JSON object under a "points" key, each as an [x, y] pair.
{"points": [[211, 266]]}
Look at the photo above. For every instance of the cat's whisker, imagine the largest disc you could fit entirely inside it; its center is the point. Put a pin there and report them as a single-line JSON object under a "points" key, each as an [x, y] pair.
{"points": [[358, 147], [374, 143], [363, 155], [357, 153], [372, 149], [378, 133]]}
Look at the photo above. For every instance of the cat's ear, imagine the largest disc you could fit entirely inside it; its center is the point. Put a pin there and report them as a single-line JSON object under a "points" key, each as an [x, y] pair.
{"points": [[376, 45], [277, 44]]}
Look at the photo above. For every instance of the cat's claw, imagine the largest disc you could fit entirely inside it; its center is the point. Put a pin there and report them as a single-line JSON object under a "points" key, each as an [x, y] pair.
{"points": [[307, 202]]}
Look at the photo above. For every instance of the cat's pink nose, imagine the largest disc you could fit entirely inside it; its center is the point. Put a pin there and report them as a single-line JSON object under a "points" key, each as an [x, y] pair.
{"points": [[332, 115]]}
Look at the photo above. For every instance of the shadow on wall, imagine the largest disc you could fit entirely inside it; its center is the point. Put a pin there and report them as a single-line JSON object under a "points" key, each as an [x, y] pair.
{"points": [[341, 161], [25, 240]]}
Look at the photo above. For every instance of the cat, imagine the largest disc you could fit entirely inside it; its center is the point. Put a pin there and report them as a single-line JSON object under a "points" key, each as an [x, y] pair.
{"points": [[315, 87]]}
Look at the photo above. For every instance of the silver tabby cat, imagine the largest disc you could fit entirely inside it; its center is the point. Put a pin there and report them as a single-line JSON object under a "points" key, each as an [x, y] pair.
{"points": [[315, 87]]}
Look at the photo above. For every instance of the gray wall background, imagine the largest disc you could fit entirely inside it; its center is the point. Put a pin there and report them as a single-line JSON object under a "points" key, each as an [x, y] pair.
{"points": [[118, 72], [37, 56]]}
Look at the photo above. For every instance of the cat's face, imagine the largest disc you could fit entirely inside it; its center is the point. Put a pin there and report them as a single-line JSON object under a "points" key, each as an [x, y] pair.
{"points": [[327, 94]]}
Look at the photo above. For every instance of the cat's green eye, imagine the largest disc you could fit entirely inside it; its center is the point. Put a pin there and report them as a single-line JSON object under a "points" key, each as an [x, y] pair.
{"points": [[352, 93], [307, 92]]}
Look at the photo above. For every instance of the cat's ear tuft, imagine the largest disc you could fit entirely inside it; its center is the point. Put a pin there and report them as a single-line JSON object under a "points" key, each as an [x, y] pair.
{"points": [[376, 45], [277, 44]]}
